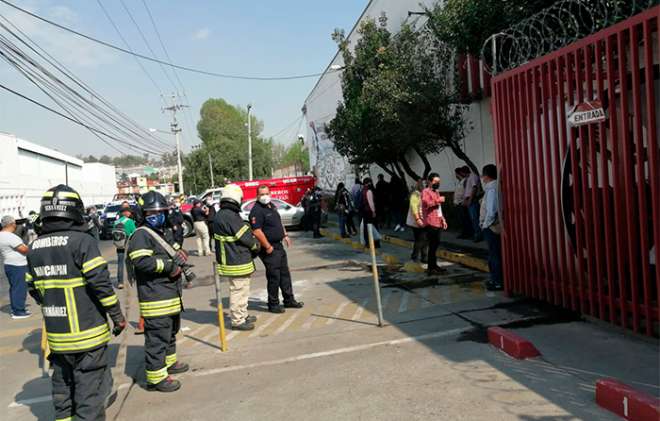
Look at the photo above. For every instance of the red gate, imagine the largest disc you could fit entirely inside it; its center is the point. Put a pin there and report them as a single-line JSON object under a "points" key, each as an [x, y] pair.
{"points": [[581, 193]]}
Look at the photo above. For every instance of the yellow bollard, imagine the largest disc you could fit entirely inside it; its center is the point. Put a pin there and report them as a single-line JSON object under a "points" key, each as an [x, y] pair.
{"points": [[221, 314]]}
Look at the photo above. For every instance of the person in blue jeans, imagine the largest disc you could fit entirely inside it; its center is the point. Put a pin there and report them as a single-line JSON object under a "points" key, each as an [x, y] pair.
{"points": [[12, 255], [490, 226]]}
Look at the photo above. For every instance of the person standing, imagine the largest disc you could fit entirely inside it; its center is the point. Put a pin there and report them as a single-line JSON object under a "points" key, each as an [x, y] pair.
{"points": [[70, 280], [368, 211], [344, 206], [459, 198], [415, 221], [176, 221], [316, 211], [383, 195], [158, 279], [94, 223], [307, 216], [472, 195], [12, 253], [235, 249], [122, 230], [269, 231], [210, 217], [434, 220], [201, 229], [490, 226], [356, 196]]}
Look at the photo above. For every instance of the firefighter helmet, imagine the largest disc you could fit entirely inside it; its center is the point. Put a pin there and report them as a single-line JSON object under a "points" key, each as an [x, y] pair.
{"points": [[153, 201], [232, 193], [62, 201]]}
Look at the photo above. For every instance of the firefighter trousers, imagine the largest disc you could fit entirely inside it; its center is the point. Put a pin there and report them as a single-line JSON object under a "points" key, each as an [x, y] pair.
{"points": [[160, 345], [81, 384]]}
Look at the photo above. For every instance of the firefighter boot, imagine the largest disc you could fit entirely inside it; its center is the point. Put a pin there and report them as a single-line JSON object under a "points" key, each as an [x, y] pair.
{"points": [[178, 368], [166, 385]]}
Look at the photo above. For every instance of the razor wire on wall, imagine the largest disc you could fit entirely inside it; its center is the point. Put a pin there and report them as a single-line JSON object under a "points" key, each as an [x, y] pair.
{"points": [[555, 27]]}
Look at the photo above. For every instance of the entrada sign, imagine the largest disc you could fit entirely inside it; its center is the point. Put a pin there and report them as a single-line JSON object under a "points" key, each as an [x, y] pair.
{"points": [[587, 112]]}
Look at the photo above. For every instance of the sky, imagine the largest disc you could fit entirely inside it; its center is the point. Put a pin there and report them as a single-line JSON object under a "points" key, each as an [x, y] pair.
{"points": [[256, 38]]}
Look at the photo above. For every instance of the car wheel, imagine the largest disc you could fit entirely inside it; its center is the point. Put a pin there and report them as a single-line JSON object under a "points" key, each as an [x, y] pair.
{"points": [[187, 228]]}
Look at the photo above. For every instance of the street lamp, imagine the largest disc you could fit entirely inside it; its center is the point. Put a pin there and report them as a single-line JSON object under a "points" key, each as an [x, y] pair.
{"points": [[175, 131], [249, 127]]}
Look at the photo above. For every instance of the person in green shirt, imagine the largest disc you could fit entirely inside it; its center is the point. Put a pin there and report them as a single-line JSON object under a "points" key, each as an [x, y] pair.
{"points": [[122, 229]]}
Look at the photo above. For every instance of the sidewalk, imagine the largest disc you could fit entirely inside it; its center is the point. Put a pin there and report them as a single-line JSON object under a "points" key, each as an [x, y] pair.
{"points": [[464, 252]]}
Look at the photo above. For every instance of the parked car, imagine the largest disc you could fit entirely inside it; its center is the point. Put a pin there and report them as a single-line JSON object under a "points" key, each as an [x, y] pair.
{"points": [[291, 215], [110, 215]]}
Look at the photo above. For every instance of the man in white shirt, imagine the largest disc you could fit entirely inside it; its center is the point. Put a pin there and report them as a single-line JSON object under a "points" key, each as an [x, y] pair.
{"points": [[471, 201], [12, 254]]}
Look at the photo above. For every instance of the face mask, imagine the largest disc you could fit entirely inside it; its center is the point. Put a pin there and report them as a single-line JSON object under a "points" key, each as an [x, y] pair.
{"points": [[264, 200], [436, 186], [155, 221]]}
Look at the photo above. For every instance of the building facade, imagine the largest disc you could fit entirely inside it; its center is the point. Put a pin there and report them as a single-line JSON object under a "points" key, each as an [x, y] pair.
{"points": [[321, 104], [28, 169]]}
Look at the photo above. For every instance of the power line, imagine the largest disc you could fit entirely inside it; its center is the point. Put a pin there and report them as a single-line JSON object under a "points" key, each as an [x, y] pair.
{"points": [[156, 60], [121, 36], [287, 128], [101, 132], [52, 86]]}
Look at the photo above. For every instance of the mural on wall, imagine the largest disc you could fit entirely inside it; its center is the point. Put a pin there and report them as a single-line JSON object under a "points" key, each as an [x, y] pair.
{"points": [[330, 168]]}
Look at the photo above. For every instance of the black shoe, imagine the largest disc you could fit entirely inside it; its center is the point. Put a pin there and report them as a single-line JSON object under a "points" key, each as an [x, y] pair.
{"points": [[250, 319], [436, 271], [318, 236], [377, 244], [245, 326], [294, 304], [494, 287], [463, 237], [165, 385], [276, 309], [178, 368]]}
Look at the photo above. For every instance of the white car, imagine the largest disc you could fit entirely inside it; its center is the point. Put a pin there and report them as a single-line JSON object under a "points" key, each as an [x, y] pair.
{"points": [[291, 215]]}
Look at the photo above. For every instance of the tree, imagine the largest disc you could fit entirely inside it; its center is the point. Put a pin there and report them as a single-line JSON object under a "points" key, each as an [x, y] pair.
{"points": [[399, 100], [222, 129], [296, 155]]}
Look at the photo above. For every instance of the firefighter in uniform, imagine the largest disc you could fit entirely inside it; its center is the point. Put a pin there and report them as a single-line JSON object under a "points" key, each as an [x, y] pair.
{"points": [[235, 250], [158, 279], [69, 278]]}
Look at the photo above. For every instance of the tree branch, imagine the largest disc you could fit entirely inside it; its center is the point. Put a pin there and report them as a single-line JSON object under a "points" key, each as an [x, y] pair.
{"points": [[406, 166], [458, 151], [427, 164]]}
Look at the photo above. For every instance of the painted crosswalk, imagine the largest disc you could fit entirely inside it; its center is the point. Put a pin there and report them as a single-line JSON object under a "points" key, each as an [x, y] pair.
{"points": [[335, 313]]}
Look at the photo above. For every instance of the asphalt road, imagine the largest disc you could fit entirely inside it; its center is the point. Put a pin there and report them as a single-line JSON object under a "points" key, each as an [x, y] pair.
{"points": [[327, 361]]}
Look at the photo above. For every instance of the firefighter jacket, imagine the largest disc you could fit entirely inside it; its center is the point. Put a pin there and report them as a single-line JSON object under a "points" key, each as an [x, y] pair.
{"points": [[159, 295], [70, 278], [235, 245]]}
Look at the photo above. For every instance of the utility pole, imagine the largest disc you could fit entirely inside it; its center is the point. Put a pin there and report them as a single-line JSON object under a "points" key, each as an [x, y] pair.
{"points": [[211, 170], [177, 134], [249, 127]]}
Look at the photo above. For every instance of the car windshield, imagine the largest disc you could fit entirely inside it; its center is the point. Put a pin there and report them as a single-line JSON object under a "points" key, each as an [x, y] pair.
{"points": [[113, 208]]}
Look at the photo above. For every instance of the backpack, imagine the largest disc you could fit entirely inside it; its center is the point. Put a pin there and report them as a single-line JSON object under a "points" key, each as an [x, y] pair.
{"points": [[119, 237]]}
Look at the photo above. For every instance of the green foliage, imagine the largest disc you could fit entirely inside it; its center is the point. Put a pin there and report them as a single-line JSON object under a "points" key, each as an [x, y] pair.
{"points": [[466, 24], [296, 154], [398, 99], [223, 131]]}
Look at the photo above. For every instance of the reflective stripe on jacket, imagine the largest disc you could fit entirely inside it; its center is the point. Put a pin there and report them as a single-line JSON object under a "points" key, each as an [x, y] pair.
{"points": [[234, 244], [158, 294], [68, 272]]}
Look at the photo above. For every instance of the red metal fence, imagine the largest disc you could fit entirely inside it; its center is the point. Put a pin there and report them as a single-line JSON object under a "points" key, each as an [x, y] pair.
{"points": [[581, 204]]}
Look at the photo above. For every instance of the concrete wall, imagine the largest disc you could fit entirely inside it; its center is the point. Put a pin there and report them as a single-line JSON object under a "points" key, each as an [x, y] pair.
{"points": [[321, 105]]}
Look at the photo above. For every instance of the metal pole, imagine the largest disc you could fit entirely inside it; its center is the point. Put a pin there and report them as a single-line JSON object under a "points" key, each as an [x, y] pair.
{"points": [[221, 314], [249, 124], [211, 170], [374, 271], [178, 156]]}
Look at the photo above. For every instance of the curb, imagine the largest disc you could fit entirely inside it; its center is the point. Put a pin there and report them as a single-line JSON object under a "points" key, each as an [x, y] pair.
{"points": [[514, 345], [450, 256], [627, 402]]}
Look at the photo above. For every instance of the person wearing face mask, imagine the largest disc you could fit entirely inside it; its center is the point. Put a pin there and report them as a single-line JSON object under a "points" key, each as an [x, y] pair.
{"points": [[176, 221], [158, 279], [268, 229], [434, 220]]}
